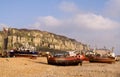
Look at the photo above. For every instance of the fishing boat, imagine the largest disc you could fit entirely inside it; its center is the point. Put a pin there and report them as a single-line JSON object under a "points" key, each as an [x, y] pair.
{"points": [[102, 59], [101, 55], [27, 53], [63, 59]]}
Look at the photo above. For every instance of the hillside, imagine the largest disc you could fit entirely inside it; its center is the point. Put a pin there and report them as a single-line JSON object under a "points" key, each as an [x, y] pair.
{"points": [[40, 40]]}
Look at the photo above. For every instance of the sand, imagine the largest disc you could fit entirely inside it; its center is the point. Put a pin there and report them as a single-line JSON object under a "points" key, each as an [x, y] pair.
{"points": [[25, 67]]}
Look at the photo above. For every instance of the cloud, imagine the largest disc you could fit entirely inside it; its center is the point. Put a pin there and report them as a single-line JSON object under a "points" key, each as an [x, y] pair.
{"points": [[36, 24], [49, 21], [68, 7], [85, 21], [112, 8], [95, 22]]}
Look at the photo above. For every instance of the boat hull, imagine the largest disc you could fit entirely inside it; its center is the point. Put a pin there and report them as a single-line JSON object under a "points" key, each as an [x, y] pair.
{"points": [[102, 60], [64, 61], [32, 55]]}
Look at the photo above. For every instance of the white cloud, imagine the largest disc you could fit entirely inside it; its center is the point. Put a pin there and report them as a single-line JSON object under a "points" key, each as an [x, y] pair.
{"points": [[112, 8], [36, 24], [49, 21], [86, 21], [46, 21], [68, 7], [93, 21]]}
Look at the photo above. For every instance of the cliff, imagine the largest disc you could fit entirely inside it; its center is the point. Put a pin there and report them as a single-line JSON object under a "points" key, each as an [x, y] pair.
{"points": [[40, 40]]}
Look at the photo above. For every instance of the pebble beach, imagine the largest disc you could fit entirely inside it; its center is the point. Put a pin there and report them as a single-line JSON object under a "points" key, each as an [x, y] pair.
{"points": [[26, 67]]}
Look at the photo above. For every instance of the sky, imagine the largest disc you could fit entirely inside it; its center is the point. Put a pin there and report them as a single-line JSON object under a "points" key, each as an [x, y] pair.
{"points": [[93, 22]]}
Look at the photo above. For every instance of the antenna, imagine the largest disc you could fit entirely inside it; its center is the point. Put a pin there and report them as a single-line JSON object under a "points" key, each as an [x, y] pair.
{"points": [[112, 49]]}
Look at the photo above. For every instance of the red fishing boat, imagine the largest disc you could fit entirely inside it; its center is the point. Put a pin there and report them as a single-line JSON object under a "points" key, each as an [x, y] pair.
{"points": [[102, 59], [101, 56], [63, 59]]}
